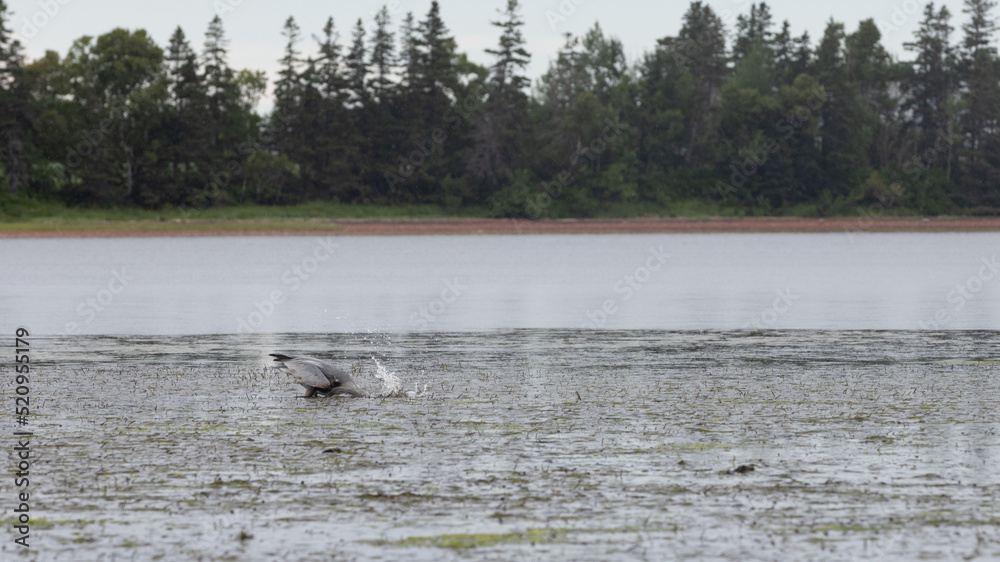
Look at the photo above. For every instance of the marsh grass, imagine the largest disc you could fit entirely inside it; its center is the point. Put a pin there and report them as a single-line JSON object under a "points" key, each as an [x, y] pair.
{"points": [[557, 452]]}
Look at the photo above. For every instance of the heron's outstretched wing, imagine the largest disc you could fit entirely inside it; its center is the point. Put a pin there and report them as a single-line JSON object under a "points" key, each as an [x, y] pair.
{"points": [[307, 372]]}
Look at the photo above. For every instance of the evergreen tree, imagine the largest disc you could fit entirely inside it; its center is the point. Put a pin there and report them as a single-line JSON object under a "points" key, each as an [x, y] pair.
{"points": [[792, 55], [336, 143], [382, 59], [186, 84], [329, 75], [357, 66], [980, 154], [749, 108], [751, 29], [409, 55], [559, 87], [16, 112], [5, 33], [431, 137], [386, 123], [605, 64], [185, 135], [218, 75], [770, 125], [437, 69], [291, 117], [502, 134], [225, 119], [839, 158], [803, 55], [869, 70], [512, 57], [241, 169], [666, 93], [702, 44], [365, 167], [288, 88], [931, 86]]}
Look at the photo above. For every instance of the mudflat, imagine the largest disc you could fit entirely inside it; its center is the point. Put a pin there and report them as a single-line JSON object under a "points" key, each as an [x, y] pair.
{"points": [[365, 227]]}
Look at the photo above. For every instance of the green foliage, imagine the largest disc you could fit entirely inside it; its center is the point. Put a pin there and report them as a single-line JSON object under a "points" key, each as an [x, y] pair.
{"points": [[517, 199], [398, 116]]}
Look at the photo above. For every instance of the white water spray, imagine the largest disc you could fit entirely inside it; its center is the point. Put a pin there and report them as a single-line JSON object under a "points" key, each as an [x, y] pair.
{"points": [[391, 385]]}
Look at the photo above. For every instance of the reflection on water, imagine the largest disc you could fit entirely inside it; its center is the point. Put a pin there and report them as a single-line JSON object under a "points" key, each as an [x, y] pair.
{"points": [[182, 286], [527, 444]]}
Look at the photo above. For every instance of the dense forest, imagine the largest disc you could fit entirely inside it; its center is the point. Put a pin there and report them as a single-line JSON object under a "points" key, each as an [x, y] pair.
{"points": [[756, 118]]}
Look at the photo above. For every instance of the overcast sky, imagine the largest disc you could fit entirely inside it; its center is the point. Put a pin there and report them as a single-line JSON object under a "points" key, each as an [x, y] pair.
{"points": [[254, 26]]}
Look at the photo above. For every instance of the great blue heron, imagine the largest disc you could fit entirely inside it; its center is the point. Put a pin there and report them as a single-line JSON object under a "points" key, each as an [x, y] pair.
{"points": [[318, 376]]}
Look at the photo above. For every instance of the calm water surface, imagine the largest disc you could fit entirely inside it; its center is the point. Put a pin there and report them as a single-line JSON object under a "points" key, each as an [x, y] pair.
{"points": [[472, 283]]}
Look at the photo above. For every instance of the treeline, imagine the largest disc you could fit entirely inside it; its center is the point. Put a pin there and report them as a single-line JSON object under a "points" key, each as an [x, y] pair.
{"points": [[770, 121]]}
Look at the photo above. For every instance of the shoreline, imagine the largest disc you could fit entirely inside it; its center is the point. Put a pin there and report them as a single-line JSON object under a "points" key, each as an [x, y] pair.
{"points": [[458, 226]]}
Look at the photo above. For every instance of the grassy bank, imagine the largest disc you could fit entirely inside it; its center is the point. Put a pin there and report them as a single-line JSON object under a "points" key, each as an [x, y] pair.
{"points": [[25, 214]]}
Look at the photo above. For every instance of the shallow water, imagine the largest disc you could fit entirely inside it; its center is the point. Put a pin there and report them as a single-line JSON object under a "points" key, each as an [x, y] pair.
{"points": [[526, 444]]}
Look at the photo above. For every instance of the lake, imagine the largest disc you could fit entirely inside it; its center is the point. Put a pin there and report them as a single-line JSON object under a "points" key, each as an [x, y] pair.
{"points": [[634, 397], [183, 286]]}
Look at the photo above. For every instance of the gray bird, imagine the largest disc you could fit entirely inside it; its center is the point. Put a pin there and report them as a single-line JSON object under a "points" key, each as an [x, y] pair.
{"points": [[318, 376]]}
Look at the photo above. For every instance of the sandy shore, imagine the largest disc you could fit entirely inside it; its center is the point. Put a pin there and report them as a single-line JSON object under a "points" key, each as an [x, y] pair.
{"points": [[361, 227]]}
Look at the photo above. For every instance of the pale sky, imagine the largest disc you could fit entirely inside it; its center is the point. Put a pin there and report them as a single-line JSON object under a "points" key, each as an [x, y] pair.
{"points": [[254, 26]]}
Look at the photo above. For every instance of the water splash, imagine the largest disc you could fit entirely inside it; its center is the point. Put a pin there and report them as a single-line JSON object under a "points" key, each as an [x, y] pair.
{"points": [[411, 394], [391, 384]]}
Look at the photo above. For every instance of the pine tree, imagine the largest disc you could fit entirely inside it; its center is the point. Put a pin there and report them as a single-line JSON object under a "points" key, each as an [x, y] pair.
{"points": [[512, 57], [803, 56], [437, 70], [232, 122], [410, 103], [184, 130], [329, 75], [223, 102], [664, 90], [980, 155], [785, 47], [500, 131], [839, 158], [290, 117], [751, 29], [218, 75], [409, 55], [337, 144], [288, 88], [702, 46], [184, 72], [559, 87], [386, 125], [931, 86], [357, 66], [980, 28], [869, 70], [382, 60]]}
